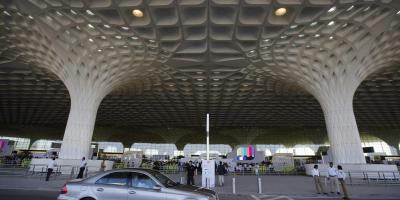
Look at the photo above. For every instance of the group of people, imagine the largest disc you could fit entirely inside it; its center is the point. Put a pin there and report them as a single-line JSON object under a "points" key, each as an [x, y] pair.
{"points": [[52, 164], [334, 176]]}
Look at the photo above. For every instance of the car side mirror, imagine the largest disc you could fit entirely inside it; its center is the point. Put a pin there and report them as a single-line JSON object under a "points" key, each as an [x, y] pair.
{"points": [[157, 187]]}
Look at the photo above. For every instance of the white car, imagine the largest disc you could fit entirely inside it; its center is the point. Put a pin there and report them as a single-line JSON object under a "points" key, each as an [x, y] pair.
{"points": [[132, 184]]}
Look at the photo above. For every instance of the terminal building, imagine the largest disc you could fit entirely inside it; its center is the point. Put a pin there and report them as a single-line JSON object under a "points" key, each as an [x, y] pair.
{"points": [[303, 77]]}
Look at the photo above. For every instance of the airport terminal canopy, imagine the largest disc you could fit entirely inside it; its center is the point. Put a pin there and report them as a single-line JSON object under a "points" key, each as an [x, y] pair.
{"points": [[165, 63]]}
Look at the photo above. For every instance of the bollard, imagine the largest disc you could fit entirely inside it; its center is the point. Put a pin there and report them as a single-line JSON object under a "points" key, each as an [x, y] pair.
{"points": [[234, 185], [72, 172], [182, 180], [351, 181], [259, 186], [86, 171]]}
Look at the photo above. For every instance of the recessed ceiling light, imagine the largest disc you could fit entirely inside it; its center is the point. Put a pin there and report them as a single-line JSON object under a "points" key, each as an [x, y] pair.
{"points": [[280, 11], [6, 13], [283, 36], [137, 13], [118, 37], [99, 50], [266, 40], [301, 35], [152, 41], [73, 12], [90, 26], [134, 38], [314, 23], [344, 25], [90, 40], [30, 17], [366, 9], [317, 35], [331, 37], [350, 8], [293, 26], [125, 28], [199, 79], [58, 13], [216, 79], [331, 23], [103, 37], [398, 12], [89, 12], [107, 26], [332, 9]]}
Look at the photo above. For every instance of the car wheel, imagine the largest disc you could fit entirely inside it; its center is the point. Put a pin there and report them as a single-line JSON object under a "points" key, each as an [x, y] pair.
{"points": [[88, 198]]}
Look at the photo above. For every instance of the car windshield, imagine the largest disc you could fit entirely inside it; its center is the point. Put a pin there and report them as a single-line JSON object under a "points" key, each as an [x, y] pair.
{"points": [[167, 182]]}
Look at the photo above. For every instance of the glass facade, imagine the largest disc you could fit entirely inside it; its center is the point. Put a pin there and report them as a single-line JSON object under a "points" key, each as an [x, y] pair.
{"points": [[21, 143], [151, 149]]}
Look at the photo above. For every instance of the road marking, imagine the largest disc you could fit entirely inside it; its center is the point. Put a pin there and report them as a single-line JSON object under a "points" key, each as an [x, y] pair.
{"points": [[28, 189], [271, 197]]}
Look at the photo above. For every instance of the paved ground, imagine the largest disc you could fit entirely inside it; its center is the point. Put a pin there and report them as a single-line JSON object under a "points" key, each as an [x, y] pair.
{"points": [[274, 188]]}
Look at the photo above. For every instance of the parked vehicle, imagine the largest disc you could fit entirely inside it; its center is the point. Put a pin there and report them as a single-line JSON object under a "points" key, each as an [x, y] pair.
{"points": [[130, 184]]}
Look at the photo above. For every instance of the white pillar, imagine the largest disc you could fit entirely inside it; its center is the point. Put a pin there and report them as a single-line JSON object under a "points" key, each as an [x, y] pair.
{"points": [[341, 125], [80, 125]]}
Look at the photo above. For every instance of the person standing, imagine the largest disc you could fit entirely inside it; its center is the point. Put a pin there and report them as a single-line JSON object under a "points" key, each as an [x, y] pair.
{"points": [[103, 166], [342, 177], [333, 178], [82, 168], [256, 169], [50, 167], [221, 172], [190, 173], [317, 180]]}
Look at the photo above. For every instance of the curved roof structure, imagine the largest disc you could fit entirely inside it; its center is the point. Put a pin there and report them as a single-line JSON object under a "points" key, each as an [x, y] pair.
{"points": [[236, 59]]}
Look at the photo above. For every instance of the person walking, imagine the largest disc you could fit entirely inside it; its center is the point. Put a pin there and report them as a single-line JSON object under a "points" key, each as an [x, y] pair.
{"points": [[221, 173], [317, 180], [190, 173], [342, 177], [333, 178], [50, 167], [82, 168]]}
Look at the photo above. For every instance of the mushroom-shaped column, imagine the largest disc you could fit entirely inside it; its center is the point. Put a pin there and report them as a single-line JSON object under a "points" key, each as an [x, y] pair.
{"points": [[85, 101], [329, 56], [336, 99]]}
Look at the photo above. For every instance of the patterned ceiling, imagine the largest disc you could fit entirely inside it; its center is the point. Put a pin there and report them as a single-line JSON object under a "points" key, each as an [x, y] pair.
{"points": [[234, 59]]}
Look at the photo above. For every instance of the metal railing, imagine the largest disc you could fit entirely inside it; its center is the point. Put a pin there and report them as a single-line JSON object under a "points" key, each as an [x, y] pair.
{"points": [[370, 177]]}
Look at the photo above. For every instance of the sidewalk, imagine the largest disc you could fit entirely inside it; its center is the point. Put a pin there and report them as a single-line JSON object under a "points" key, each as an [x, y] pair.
{"points": [[298, 186], [293, 187]]}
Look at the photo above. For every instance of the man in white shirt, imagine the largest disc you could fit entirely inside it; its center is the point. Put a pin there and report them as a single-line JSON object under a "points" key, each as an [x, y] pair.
{"points": [[333, 178], [342, 177], [50, 167], [317, 180], [82, 167]]}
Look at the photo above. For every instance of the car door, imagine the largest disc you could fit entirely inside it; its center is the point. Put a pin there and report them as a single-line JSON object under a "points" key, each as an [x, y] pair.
{"points": [[143, 187], [113, 186]]}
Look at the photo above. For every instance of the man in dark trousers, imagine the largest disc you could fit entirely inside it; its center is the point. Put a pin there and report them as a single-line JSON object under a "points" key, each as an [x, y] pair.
{"points": [[82, 167], [50, 167], [190, 173], [221, 171]]}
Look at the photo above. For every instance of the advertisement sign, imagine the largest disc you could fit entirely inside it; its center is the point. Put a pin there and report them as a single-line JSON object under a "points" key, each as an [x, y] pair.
{"points": [[208, 173]]}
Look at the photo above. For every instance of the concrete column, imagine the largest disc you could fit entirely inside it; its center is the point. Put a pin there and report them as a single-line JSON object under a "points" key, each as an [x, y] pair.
{"points": [[80, 125], [342, 129]]}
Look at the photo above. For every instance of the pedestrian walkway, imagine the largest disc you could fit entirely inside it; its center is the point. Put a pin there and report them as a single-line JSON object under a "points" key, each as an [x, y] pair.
{"points": [[274, 188], [297, 187]]}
